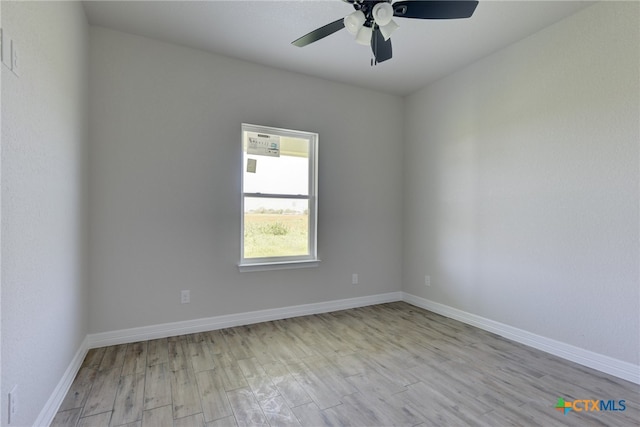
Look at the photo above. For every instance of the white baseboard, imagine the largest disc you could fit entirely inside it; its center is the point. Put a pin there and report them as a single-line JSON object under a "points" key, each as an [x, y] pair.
{"points": [[609, 365], [230, 320], [55, 400], [123, 336]]}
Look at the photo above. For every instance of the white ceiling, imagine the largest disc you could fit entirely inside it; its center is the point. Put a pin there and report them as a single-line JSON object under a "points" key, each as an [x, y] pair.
{"points": [[262, 31]]}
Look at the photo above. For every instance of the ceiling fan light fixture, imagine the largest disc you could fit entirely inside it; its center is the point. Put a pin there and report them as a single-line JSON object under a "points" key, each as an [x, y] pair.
{"points": [[372, 23], [388, 29], [382, 13], [354, 21], [364, 36]]}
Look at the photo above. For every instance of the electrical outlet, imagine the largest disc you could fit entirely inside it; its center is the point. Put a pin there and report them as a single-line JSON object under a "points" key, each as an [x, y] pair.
{"points": [[427, 281], [354, 279], [185, 297], [13, 405]]}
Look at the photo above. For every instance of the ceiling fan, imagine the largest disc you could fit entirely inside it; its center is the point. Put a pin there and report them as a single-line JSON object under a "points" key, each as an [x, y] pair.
{"points": [[372, 22]]}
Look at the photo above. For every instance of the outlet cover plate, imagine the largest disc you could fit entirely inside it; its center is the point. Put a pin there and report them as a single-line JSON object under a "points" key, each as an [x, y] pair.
{"points": [[185, 297]]}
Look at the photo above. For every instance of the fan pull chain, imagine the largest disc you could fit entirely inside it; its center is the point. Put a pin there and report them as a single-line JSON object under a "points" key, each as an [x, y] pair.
{"points": [[374, 61]]}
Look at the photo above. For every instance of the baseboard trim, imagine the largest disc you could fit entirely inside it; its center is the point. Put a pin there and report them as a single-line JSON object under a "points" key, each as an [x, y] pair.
{"points": [[230, 320], [55, 400], [602, 363], [606, 364]]}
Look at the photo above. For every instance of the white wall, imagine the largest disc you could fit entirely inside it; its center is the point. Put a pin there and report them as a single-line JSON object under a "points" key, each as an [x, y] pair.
{"points": [[522, 179], [521, 197], [165, 183], [44, 122]]}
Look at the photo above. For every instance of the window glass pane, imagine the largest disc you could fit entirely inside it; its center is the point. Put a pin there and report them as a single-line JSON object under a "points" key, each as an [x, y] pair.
{"points": [[279, 171], [275, 227]]}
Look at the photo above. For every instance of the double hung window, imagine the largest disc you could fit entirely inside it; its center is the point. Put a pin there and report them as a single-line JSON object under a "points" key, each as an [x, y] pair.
{"points": [[279, 198]]}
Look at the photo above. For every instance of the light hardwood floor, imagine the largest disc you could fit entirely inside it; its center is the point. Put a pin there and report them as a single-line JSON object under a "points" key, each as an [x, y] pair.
{"points": [[389, 364]]}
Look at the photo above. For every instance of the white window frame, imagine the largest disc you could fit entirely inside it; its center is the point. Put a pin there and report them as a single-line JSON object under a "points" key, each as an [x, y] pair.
{"points": [[284, 262]]}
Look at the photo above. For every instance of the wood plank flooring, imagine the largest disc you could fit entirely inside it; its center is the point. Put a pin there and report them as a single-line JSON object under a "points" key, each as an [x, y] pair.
{"points": [[383, 365]]}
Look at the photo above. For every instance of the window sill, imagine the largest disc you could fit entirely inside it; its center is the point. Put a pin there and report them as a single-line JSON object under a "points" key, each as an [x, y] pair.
{"points": [[287, 265]]}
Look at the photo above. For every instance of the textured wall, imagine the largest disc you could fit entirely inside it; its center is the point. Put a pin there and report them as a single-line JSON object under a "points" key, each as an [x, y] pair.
{"points": [[165, 183], [44, 122], [522, 184]]}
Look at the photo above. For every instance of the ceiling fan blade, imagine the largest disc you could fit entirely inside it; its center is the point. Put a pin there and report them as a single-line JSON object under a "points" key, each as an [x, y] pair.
{"points": [[319, 33], [453, 9], [381, 48]]}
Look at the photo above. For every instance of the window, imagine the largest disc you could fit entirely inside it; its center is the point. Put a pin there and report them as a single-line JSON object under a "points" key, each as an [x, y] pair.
{"points": [[279, 198]]}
